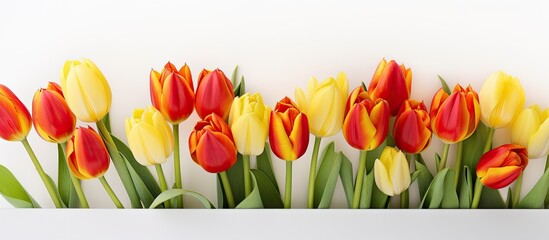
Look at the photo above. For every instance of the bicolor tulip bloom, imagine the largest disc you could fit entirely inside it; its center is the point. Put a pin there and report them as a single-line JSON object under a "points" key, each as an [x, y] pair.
{"points": [[172, 92], [211, 144], [531, 129], [52, 117], [249, 121], [87, 155], [501, 99], [149, 136], [366, 121], [214, 94], [502, 165], [324, 104], [412, 128], [14, 116], [455, 117], [391, 172], [391, 82], [86, 90], [288, 130]]}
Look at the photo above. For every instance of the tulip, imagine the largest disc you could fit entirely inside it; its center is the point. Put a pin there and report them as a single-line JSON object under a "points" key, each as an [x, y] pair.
{"points": [[412, 128], [249, 121], [214, 94], [501, 99], [52, 118], [16, 119], [288, 130], [501, 166], [172, 92], [86, 90], [531, 129], [391, 172], [392, 83]]}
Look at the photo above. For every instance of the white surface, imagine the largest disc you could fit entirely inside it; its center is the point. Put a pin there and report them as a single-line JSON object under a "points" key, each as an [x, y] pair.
{"points": [[278, 45]]}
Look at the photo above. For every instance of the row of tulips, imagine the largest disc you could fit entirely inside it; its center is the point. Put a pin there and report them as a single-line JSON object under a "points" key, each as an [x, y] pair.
{"points": [[388, 128]]}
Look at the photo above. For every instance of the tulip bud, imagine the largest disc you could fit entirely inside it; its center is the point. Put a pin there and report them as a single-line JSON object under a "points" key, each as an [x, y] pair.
{"points": [[501, 99], [391, 172], [52, 118], [249, 121], [531, 129], [172, 92], [366, 121], [324, 104], [392, 83], [149, 136], [288, 130], [214, 94], [455, 117], [502, 165], [87, 155], [16, 119], [86, 90], [412, 128]]}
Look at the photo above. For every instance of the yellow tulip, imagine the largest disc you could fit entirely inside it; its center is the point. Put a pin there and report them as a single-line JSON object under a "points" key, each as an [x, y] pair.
{"points": [[501, 98], [531, 129], [86, 90], [324, 104], [249, 122], [391, 171], [149, 136]]}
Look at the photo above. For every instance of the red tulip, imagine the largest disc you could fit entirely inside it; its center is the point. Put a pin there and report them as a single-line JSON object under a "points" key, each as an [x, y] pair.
{"points": [[288, 130], [412, 128], [214, 94], [392, 83], [502, 165], [211, 144], [52, 117], [15, 117], [172, 92], [87, 155]]}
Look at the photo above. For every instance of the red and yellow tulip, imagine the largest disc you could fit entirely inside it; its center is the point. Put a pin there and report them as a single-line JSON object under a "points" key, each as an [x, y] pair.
{"points": [[214, 94], [52, 117], [15, 117], [412, 128], [502, 165], [391, 82], [288, 130], [87, 155]]}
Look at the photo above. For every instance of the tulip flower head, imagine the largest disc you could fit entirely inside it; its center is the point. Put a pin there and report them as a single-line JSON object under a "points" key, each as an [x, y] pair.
{"points": [[211, 144], [501, 99], [249, 121], [87, 155], [86, 90], [412, 128], [366, 121], [172, 92], [324, 104], [531, 129], [391, 172], [52, 117], [502, 165], [15, 117], [214, 94], [149, 136], [288, 130], [391, 82]]}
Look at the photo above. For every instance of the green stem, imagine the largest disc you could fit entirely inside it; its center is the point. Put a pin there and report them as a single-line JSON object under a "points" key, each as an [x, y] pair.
{"points": [[227, 188], [547, 167], [75, 181], [177, 163], [120, 166], [457, 165], [405, 196], [516, 191], [312, 174], [359, 178], [488, 144], [163, 184], [49, 185], [445, 151], [477, 193], [288, 188], [111, 193], [247, 177]]}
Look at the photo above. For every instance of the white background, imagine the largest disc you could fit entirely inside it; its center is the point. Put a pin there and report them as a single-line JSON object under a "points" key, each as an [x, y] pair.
{"points": [[278, 45]]}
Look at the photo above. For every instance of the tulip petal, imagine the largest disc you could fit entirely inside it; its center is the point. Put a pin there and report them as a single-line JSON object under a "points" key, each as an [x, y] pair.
{"points": [[382, 179], [15, 116], [451, 121], [497, 178], [358, 129], [279, 139], [215, 152], [399, 172], [147, 144], [249, 135], [91, 159], [524, 126], [52, 118], [538, 145], [177, 100]]}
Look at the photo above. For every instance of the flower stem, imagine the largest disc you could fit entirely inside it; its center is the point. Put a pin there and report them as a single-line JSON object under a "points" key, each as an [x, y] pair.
{"points": [[49, 185], [177, 164], [445, 151], [111, 193], [516, 191], [312, 174], [359, 179], [163, 184], [75, 181], [476, 194], [247, 177], [405, 196], [288, 188], [457, 165], [546, 169], [488, 144], [227, 188]]}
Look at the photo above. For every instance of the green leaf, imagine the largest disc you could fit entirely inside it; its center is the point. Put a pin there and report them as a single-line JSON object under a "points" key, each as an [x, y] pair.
{"points": [[64, 182], [254, 199], [466, 189], [242, 87], [12, 190], [437, 160], [509, 198], [55, 190], [450, 198], [234, 75], [424, 179], [364, 86], [536, 197], [367, 191], [326, 177], [435, 192], [379, 199], [491, 198], [220, 194], [444, 85], [265, 164], [107, 121], [473, 147], [374, 154], [346, 175], [270, 197], [146, 196], [236, 179], [173, 193], [414, 176]]}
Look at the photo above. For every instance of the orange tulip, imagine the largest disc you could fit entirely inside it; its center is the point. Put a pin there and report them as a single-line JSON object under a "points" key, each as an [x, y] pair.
{"points": [[172, 92], [211, 144], [502, 165], [214, 94], [366, 121], [288, 130], [87, 155], [392, 83], [52, 117], [412, 129], [455, 117], [15, 117]]}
